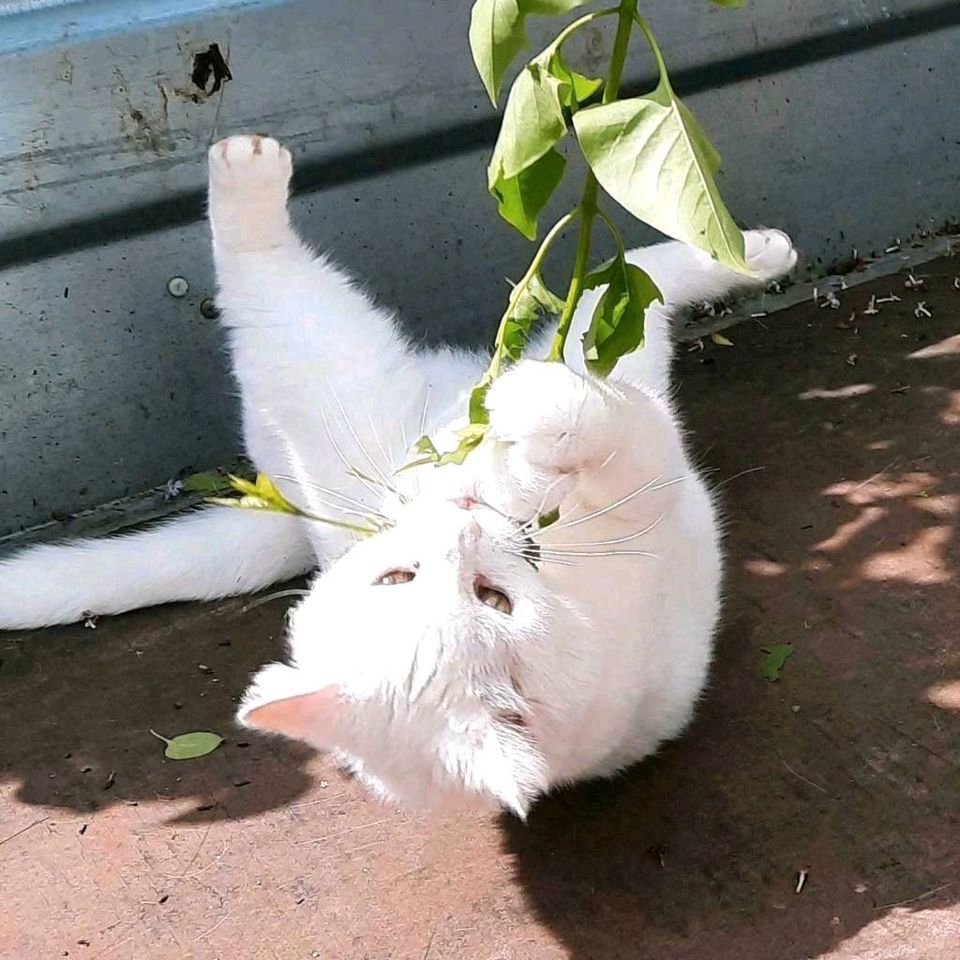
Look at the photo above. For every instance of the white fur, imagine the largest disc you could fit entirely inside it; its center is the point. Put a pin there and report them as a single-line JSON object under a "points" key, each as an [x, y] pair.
{"points": [[425, 691]]}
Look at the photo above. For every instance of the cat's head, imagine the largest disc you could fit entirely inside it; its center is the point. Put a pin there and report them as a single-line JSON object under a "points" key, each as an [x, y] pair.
{"points": [[415, 657]]}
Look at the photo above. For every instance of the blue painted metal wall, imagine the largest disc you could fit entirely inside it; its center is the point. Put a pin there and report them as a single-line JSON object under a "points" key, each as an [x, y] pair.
{"points": [[837, 120]]}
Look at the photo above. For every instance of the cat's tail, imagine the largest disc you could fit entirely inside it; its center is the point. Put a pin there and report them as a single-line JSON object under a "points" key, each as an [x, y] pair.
{"points": [[214, 552]]}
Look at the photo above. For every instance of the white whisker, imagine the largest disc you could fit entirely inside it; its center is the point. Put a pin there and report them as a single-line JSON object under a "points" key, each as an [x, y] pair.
{"points": [[613, 453], [543, 499], [607, 543], [742, 473], [423, 414], [601, 553], [299, 468], [536, 558], [351, 470], [593, 514], [349, 507], [650, 487], [280, 594], [379, 475], [387, 459]]}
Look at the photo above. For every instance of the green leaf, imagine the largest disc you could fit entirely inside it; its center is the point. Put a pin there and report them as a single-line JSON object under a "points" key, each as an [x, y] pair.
{"points": [[497, 34], [496, 37], [578, 88], [478, 402], [536, 298], [423, 445], [728, 3], [533, 122], [459, 454], [546, 519], [521, 198], [617, 325], [470, 437], [206, 482], [651, 155], [189, 746], [583, 87], [426, 445], [777, 656], [261, 494], [422, 462], [720, 340], [550, 7], [472, 431], [525, 169]]}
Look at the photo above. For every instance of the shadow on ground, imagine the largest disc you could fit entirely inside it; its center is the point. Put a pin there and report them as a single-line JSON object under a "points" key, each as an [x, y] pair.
{"points": [[845, 545], [83, 702]]}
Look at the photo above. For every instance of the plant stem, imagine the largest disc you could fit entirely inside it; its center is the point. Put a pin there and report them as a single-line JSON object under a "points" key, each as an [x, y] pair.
{"points": [[572, 28], [588, 203], [655, 47], [494, 368]]}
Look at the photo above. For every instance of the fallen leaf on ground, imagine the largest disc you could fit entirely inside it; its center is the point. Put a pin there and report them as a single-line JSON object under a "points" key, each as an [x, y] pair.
{"points": [[189, 746], [777, 656]]}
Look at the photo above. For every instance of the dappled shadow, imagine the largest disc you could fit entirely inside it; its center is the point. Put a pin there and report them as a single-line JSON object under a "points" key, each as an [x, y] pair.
{"points": [[845, 545], [77, 706]]}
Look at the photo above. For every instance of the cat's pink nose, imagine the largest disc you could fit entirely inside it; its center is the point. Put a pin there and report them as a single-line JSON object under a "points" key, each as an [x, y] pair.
{"points": [[466, 503]]}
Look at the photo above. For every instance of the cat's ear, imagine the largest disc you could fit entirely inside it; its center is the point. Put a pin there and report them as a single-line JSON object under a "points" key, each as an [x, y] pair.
{"points": [[508, 766], [279, 701]]}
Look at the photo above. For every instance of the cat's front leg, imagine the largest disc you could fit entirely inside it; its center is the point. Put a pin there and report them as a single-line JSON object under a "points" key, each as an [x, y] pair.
{"points": [[561, 437]]}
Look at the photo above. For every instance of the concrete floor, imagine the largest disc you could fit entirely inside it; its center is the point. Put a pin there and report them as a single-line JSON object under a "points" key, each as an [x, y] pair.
{"points": [[842, 541]]}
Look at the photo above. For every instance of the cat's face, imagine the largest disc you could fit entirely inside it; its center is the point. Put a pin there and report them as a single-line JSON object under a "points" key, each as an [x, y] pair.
{"points": [[410, 658]]}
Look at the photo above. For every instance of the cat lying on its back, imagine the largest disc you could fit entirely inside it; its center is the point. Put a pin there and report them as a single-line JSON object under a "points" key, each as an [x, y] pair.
{"points": [[462, 653]]}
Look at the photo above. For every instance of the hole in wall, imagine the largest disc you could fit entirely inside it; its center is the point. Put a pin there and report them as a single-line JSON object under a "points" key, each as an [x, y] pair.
{"points": [[210, 71]]}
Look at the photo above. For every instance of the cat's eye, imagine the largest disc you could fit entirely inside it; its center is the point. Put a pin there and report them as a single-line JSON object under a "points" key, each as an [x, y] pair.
{"points": [[391, 577], [493, 597]]}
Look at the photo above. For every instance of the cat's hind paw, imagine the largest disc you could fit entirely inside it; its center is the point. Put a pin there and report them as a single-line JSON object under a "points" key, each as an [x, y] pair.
{"points": [[769, 253]]}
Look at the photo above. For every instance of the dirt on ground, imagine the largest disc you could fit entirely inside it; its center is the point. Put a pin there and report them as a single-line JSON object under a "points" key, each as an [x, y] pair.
{"points": [[814, 816]]}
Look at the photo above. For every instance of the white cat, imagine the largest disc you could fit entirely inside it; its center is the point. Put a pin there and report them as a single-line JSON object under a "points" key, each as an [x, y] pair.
{"points": [[462, 653]]}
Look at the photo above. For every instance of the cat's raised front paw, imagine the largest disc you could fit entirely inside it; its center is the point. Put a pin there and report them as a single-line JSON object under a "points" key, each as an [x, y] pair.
{"points": [[540, 418], [250, 163], [536, 401], [249, 177]]}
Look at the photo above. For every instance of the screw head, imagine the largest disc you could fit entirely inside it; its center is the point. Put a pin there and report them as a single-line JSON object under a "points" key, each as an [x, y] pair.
{"points": [[208, 308], [178, 287]]}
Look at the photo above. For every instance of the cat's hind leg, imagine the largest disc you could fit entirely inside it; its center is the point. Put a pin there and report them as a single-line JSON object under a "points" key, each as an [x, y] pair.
{"points": [[687, 274], [684, 274]]}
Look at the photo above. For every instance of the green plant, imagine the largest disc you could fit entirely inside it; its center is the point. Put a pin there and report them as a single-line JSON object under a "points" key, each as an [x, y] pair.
{"points": [[647, 153]]}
